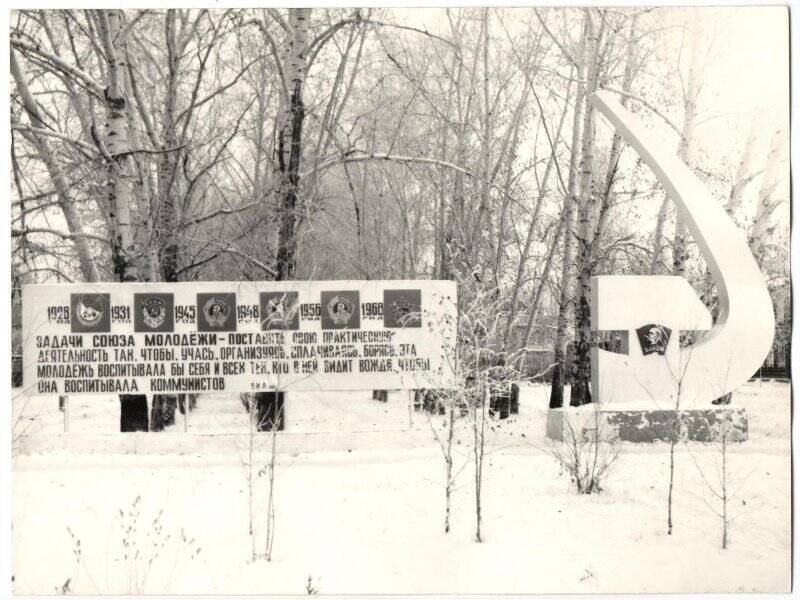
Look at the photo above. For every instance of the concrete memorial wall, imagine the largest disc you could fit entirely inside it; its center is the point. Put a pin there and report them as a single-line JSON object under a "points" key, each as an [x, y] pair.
{"points": [[654, 310], [637, 395], [150, 338]]}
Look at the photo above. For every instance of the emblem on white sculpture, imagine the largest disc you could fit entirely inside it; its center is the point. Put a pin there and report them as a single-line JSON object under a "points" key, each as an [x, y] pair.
{"points": [[654, 338], [742, 336]]}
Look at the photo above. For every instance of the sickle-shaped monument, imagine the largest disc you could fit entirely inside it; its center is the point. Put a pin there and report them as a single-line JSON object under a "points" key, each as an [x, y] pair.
{"points": [[742, 336]]}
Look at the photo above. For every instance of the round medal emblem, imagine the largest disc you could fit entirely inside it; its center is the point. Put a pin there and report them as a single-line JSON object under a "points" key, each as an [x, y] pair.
{"points": [[340, 309], [153, 311], [216, 311], [88, 311]]}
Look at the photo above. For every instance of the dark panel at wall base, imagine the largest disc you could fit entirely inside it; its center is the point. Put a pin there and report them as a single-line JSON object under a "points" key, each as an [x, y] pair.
{"points": [[644, 426]]}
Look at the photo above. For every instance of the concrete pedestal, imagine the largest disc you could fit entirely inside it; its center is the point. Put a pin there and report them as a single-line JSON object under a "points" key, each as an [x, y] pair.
{"points": [[644, 425]]}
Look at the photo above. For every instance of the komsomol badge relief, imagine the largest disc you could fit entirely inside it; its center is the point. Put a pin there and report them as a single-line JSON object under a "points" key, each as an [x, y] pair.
{"points": [[216, 312], [153, 312], [90, 312], [340, 310]]}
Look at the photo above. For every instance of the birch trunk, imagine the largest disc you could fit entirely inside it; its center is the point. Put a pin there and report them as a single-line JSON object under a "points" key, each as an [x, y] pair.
{"points": [[120, 169], [617, 146], [565, 297], [290, 142], [658, 238], [440, 266], [456, 243], [768, 200], [744, 172], [121, 181], [685, 152], [57, 176], [166, 217], [475, 237], [289, 138], [580, 391], [686, 146]]}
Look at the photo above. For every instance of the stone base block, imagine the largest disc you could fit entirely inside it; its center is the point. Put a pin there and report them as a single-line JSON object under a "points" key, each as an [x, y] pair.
{"points": [[697, 425]]}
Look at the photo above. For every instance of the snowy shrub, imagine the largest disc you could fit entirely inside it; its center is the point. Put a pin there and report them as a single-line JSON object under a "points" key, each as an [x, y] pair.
{"points": [[63, 589], [586, 455], [479, 362], [22, 419], [720, 489], [259, 463], [145, 550], [311, 589]]}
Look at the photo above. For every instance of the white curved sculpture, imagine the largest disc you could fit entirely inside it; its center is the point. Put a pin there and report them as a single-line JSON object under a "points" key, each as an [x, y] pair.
{"points": [[742, 336]]}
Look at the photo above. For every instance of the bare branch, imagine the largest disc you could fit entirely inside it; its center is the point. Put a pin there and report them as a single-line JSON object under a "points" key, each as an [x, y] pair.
{"points": [[60, 65], [56, 135], [61, 234], [317, 43], [216, 92]]}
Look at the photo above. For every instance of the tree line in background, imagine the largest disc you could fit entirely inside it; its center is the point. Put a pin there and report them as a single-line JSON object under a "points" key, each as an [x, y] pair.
{"points": [[251, 144]]}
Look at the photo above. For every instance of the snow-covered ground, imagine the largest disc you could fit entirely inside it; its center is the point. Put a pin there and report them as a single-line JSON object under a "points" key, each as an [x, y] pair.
{"points": [[360, 506]]}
